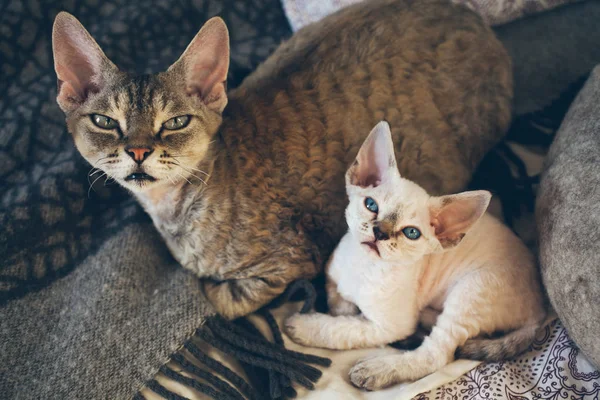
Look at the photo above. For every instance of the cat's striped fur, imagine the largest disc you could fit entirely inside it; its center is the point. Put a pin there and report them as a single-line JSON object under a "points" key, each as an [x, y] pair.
{"points": [[272, 210]]}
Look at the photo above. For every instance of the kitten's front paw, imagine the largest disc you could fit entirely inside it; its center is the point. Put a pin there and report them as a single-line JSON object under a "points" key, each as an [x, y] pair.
{"points": [[298, 328], [373, 374], [343, 308]]}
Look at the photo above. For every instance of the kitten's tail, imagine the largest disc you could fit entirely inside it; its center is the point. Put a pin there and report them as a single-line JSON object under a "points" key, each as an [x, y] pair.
{"points": [[505, 347]]}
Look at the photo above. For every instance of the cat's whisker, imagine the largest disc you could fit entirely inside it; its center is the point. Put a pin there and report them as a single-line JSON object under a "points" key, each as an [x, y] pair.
{"points": [[90, 174], [186, 170], [92, 184], [192, 168], [181, 175], [108, 179], [197, 177], [189, 172], [199, 170], [110, 162], [103, 158]]}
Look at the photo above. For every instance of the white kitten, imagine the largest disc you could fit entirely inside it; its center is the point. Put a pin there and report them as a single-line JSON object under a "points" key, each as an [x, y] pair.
{"points": [[407, 257]]}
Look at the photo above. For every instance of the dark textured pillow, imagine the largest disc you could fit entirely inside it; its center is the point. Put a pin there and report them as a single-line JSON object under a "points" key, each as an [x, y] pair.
{"points": [[568, 220]]}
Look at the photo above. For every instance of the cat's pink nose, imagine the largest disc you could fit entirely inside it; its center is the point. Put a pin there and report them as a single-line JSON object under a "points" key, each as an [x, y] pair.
{"points": [[139, 154]]}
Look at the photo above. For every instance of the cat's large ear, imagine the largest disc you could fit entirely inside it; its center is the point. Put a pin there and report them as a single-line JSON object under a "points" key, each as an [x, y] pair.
{"points": [[205, 63], [375, 161], [452, 216], [79, 62]]}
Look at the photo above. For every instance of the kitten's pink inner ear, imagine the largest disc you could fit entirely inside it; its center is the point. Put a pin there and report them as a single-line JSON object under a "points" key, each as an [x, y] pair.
{"points": [[452, 216], [206, 62], [375, 159]]}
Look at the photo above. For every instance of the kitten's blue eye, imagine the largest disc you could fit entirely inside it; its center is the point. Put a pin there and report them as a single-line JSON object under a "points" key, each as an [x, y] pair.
{"points": [[371, 205], [102, 121], [177, 123], [411, 232]]}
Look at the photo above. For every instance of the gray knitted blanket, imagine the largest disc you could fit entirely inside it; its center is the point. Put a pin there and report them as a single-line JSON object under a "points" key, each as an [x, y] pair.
{"points": [[91, 303]]}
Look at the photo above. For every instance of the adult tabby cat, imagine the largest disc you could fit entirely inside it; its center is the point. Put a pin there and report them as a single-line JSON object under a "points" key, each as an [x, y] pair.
{"points": [[247, 188]]}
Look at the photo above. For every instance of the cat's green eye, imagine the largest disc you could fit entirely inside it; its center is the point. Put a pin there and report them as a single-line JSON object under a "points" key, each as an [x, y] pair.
{"points": [[371, 205], [177, 123], [411, 232], [102, 121]]}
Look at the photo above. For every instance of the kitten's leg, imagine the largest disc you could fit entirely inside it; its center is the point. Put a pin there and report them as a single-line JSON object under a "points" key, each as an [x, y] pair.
{"points": [[233, 298], [453, 327], [346, 332], [428, 318], [337, 304]]}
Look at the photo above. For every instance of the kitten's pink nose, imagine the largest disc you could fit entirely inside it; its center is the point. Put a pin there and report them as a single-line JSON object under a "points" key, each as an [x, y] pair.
{"points": [[139, 154]]}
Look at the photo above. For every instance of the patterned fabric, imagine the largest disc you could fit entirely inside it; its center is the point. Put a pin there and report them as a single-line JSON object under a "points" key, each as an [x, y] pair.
{"points": [[553, 369], [494, 12]]}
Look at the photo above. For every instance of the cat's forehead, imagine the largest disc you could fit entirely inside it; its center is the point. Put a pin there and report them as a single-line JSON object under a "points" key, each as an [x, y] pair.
{"points": [[140, 94]]}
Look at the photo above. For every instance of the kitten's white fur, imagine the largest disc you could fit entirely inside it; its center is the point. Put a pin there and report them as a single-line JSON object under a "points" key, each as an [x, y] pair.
{"points": [[466, 265]]}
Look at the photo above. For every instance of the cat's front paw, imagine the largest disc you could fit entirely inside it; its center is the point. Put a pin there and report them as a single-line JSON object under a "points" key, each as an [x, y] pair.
{"points": [[299, 328], [373, 373]]}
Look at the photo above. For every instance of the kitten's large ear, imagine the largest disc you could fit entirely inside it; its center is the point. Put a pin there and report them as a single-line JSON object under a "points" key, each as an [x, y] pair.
{"points": [[375, 160], [205, 63], [452, 216], [79, 62]]}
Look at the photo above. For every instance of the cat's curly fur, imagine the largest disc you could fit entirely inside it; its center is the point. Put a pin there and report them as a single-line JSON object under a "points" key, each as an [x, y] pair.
{"points": [[272, 210]]}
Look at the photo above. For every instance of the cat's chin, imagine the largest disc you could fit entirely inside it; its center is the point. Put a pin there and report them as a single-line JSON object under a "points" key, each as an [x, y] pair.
{"points": [[140, 182], [140, 178]]}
